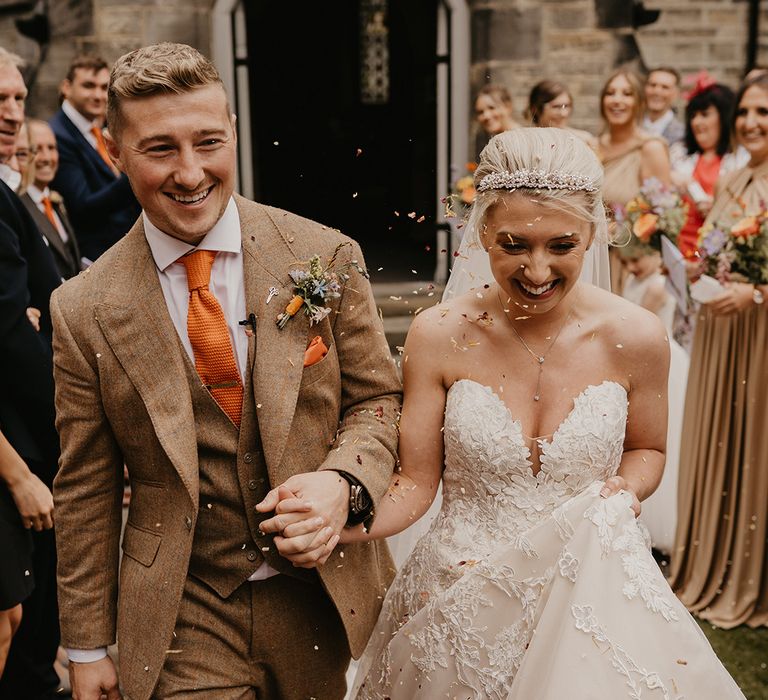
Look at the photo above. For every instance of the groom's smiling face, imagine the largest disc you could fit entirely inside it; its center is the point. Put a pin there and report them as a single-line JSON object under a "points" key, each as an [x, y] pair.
{"points": [[179, 152]]}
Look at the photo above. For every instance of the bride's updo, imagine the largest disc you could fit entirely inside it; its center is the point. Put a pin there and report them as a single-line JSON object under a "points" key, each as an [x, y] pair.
{"points": [[552, 166]]}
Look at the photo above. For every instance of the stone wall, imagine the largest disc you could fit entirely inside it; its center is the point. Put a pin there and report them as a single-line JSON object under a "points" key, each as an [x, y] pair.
{"points": [[519, 42], [107, 27]]}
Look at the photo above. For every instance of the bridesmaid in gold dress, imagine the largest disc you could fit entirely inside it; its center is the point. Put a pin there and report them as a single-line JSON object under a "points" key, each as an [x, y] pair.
{"points": [[719, 564], [628, 154]]}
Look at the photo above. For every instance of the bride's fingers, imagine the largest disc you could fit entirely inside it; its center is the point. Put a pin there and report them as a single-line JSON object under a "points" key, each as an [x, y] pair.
{"points": [[293, 505], [294, 548], [612, 486], [304, 527], [279, 522]]}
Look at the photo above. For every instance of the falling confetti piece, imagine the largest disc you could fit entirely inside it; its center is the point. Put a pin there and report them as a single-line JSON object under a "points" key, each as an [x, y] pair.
{"points": [[411, 214]]}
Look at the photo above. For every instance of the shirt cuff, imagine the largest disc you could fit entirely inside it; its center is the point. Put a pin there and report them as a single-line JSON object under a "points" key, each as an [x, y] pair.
{"points": [[86, 656]]}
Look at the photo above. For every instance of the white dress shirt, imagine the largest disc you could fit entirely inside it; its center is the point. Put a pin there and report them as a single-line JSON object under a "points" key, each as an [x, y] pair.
{"points": [[37, 197], [227, 285], [657, 127], [83, 124], [9, 176]]}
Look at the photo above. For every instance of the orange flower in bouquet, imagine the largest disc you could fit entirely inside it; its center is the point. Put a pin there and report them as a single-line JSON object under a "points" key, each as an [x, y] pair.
{"points": [[645, 226], [746, 228]]}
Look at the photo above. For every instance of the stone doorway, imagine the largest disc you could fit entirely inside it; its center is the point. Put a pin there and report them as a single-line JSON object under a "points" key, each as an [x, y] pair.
{"points": [[342, 100]]}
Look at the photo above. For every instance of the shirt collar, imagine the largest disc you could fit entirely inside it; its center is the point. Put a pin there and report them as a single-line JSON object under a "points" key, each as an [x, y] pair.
{"points": [[658, 126], [37, 194], [83, 125], [223, 237], [9, 176]]}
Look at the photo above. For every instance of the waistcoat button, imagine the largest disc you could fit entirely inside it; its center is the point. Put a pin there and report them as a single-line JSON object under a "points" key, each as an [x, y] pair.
{"points": [[247, 458], [251, 556], [253, 484]]}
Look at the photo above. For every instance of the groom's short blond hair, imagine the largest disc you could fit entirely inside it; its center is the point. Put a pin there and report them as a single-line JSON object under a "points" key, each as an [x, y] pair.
{"points": [[153, 70]]}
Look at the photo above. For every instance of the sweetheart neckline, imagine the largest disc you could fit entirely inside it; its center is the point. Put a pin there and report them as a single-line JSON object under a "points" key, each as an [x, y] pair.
{"points": [[543, 444]]}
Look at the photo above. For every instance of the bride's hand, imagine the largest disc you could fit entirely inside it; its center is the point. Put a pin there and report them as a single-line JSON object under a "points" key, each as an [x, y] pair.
{"points": [[618, 483]]}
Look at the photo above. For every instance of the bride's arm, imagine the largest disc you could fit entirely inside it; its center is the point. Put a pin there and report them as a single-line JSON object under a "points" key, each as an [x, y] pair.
{"points": [[414, 484], [647, 362]]}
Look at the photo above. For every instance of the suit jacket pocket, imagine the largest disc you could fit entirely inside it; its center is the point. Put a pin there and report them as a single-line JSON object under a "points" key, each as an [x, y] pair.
{"points": [[141, 545], [318, 370]]}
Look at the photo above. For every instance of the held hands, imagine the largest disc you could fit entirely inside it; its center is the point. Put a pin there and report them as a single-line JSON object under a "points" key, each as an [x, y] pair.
{"points": [[736, 297], [95, 680], [618, 483], [34, 502], [33, 316], [310, 512]]}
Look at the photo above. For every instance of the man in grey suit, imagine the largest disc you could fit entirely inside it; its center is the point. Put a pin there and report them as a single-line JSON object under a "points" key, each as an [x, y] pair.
{"points": [[662, 88]]}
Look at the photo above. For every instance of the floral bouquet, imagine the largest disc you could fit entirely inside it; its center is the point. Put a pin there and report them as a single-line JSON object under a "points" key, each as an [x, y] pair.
{"points": [[463, 192], [658, 210], [737, 252], [314, 286]]}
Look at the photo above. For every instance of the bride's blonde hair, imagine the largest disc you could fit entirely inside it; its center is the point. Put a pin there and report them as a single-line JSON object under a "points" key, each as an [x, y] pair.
{"points": [[551, 151]]}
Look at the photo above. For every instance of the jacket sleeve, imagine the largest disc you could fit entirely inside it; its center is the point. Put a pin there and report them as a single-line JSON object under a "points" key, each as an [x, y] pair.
{"points": [[72, 184], [87, 491], [366, 445]]}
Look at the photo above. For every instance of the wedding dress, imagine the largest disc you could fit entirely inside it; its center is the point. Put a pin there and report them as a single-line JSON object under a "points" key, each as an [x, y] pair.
{"points": [[529, 586]]}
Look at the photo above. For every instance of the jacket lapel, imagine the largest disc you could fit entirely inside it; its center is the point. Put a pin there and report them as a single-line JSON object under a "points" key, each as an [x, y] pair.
{"points": [[136, 324], [279, 356], [45, 227]]}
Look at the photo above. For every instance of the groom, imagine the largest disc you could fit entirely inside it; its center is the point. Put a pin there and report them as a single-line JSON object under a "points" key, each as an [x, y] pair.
{"points": [[156, 370]]}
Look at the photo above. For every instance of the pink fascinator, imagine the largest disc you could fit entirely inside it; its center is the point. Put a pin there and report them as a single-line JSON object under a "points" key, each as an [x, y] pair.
{"points": [[701, 81]]}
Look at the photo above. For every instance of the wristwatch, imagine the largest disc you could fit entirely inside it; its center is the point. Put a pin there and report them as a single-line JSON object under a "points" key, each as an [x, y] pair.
{"points": [[360, 501], [757, 296]]}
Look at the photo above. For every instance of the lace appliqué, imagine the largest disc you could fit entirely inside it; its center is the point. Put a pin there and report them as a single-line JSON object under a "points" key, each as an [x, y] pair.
{"points": [[637, 677], [643, 576]]}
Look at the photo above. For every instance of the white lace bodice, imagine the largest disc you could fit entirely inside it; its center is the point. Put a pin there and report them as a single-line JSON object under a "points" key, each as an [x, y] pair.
{"points": [[491, 495]]}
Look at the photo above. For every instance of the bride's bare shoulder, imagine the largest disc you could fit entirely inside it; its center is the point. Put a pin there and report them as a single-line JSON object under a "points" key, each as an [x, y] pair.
{"points": [[450, 317], [623, 324]]}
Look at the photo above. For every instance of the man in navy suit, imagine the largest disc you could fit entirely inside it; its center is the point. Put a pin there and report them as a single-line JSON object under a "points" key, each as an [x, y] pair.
{"points": [[28, 275], [97, 196]]}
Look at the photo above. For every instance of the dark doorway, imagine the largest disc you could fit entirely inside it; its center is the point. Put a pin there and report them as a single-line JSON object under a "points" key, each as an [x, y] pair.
{"points": [[327, 148]]}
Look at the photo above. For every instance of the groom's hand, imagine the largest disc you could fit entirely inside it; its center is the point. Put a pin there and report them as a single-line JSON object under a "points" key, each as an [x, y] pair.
{"points": [[310, 511], [94, 680]]}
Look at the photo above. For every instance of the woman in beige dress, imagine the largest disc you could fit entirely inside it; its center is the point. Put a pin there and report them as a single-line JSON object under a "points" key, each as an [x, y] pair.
{"points": [[719, 564], [628, 154]]}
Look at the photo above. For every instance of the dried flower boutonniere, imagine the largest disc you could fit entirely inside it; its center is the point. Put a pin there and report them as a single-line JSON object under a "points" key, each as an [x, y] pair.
{"points": [[314, 286]]}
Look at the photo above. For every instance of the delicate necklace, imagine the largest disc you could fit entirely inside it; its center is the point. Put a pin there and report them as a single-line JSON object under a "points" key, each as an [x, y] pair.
{"points": [[539, 358]]}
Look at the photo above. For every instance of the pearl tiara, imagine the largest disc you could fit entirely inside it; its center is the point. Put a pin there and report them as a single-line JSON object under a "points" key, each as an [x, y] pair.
{"points": [[537, 180]]}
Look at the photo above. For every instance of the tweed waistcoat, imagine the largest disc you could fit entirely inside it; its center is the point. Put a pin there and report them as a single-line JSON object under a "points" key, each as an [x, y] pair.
{"points": [[227, 547]]}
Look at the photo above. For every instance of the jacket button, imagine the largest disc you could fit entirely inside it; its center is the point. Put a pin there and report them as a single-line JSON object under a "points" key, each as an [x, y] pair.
{"points": [[253, 484], [251, 556], [247, 458], [188, 522]]}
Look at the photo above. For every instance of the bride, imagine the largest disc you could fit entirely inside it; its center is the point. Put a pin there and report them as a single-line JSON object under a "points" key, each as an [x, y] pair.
{"points": [[540, 402]]}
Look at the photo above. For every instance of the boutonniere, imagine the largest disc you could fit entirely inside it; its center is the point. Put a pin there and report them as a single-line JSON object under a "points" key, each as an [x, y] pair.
{"points": [[314, 286], [55, 197]]}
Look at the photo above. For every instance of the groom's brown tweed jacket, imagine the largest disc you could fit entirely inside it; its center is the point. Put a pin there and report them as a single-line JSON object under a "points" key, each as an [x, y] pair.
{"points": [[123, 396]]}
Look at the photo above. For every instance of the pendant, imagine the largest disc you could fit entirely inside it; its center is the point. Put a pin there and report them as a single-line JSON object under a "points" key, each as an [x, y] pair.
{"points": [[541, 360], [536, 398]]}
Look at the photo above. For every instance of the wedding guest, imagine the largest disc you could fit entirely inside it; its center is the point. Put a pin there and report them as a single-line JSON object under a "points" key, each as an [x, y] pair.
{"points": [[662, 89], [551, 104], [45, 205], [493, 109], [720, 562], [28, 275], [23, 154], [646, 287], [25, 504], [98, 197], [708, 117], [629, 155]]}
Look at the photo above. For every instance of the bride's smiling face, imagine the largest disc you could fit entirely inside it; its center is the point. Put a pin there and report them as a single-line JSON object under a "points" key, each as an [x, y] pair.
{"points": [[536, 252]]}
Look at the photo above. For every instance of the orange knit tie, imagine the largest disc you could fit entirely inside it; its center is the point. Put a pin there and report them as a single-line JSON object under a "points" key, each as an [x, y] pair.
{"points": [[101, 146], [48, 206], [207, 331]]}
